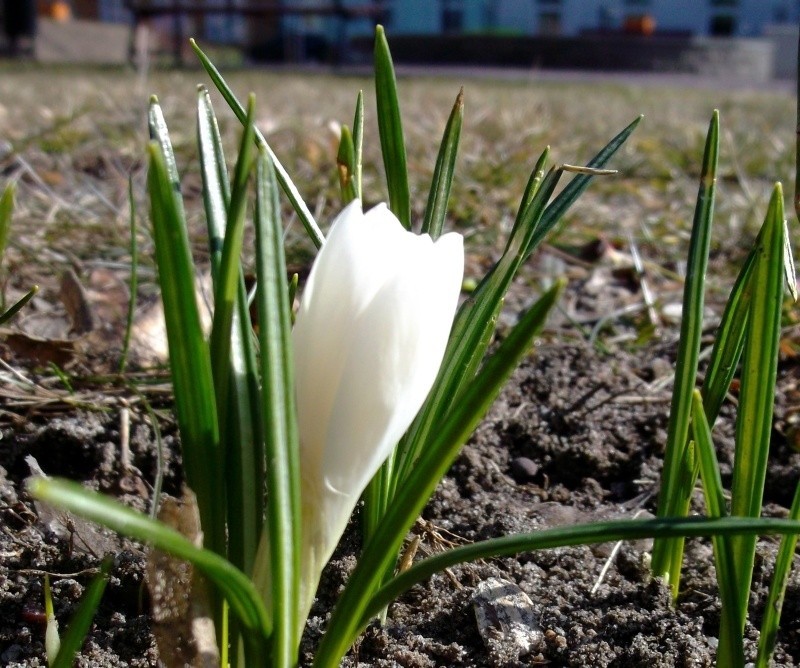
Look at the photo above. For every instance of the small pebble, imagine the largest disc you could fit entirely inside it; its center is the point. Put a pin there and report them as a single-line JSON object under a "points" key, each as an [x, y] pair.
{"points": [[523, 469]]}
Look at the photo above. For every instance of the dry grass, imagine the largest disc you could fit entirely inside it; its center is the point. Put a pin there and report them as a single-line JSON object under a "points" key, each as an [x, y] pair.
{"points": [[71, 138]]}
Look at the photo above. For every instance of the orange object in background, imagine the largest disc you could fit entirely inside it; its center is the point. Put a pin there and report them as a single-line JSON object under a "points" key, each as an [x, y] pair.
{"points": [[642, 24], [58, 10]]}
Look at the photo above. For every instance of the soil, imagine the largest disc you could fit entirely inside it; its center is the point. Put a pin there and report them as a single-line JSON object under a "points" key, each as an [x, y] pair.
{"points": [[575, 436]]}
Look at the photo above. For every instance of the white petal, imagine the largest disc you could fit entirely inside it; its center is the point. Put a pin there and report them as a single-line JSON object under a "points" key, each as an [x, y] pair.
{"points": [[350, 267], [369, 339]]}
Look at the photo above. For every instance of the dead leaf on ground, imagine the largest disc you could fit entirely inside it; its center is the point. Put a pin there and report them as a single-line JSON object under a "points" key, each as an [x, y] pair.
{"points": [[182, 620]]}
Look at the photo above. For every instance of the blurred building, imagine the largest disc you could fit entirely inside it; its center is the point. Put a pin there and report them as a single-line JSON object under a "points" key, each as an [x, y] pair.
{"points": [[729, 18], [513, 32]]}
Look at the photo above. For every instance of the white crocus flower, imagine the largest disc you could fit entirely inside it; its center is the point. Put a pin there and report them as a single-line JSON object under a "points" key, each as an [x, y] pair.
{"points": [[369, 338]]}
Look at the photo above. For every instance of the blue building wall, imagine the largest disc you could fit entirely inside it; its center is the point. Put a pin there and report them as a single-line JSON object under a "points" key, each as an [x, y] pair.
{"points": [[743, 18]]}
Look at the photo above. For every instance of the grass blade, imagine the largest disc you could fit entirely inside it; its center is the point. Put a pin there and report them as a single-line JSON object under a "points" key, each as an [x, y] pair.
{"points": [[190, 363], [227, 288], [473, 329], [578, 185], [282, 442], [729, 341], [346, 166], [17, 306], [214, 172], [474, 325], [240, 420], [236, 587], [730, 651], [159, 133], [286, 182], [668, 555], [6, 210], [246, 473], [411, 497], [777, 589], [578, 534], [390, 128], [81, 622], [133, 285], [52, 641], [757, 396], [439, 195]]}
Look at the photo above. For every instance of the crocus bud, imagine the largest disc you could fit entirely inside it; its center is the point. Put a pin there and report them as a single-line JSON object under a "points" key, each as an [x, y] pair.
{"points": [[369, 339]]}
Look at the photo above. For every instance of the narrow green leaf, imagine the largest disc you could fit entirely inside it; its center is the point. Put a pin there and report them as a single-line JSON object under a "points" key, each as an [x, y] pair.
{"points": [[278, 564], [245, 459], [227, 289], [575, 188], [729, 341], [133, 284], [190, 363], [730, 651], [160, 134], [668, 555], [713, 491], [233, 584], [687, 472], [346, 166], [214, 172], [294, 282], [52, 640], [17, 306], [358, 143], [434, 462], [81, 622], [578, 534], [475, 321], [286, 182], [772, 610], [390, 128], [6, 210], [439, 195], [757, 395], [473, 329], [240, 419]]}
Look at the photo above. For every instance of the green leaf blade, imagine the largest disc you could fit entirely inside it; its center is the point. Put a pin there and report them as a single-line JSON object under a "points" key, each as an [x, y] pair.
{"points": [[280, 422], [390, 128], [346, 167], [757, 395], [238, 590], [578, 534], [81, 621], [214, 174], [288, 186], [411, 497], [731, 648], [668, 555], [226, 291], [190, 362], [439, 195]]}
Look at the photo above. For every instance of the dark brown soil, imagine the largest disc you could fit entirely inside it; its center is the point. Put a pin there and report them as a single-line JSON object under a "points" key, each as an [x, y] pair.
{"points": [[575, 436]]}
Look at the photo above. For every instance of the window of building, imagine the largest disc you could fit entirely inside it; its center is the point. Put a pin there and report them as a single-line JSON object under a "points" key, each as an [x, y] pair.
{"points": [[452, 15], [549, 23], [724, 3], [781, 14], [722, 25]]}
